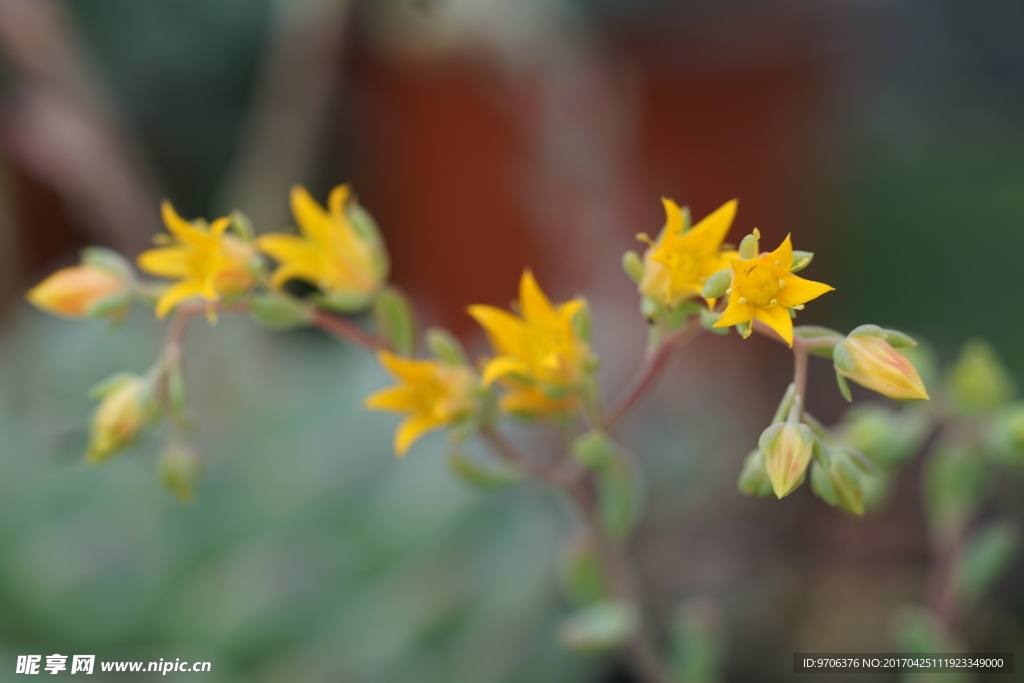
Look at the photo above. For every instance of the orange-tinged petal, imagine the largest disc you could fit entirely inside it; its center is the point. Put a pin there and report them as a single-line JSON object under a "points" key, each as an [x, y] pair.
{"points": [[778, 318]]}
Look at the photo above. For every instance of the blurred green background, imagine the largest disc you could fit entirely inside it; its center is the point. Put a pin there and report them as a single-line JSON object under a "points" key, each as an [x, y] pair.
{"points": [[485, 136]]}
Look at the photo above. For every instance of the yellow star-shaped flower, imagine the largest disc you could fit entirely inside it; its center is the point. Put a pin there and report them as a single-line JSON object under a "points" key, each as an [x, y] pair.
{"points": [[679, 263], [433, 393], [331, 252], [540, 356], [207, 261], [765, 289]]}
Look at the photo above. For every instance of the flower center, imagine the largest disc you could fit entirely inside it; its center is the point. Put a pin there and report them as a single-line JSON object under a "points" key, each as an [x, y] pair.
{"points": [[760, 287]]}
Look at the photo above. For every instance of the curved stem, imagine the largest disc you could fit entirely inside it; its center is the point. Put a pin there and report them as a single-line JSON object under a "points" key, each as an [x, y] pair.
{"points": [[343, 329], [648, 372], [577, 486]]}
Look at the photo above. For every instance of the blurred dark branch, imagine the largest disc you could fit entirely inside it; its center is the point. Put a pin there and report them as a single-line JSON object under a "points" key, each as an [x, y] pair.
{"points": [[61, 126], [291, 107]]}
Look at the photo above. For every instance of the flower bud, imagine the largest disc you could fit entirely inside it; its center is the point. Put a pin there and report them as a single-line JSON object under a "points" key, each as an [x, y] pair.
{"points": [[122, 413], [753, 479], [76, 291], [180, 468], [787, 449], [842, 484], [872, 362]]}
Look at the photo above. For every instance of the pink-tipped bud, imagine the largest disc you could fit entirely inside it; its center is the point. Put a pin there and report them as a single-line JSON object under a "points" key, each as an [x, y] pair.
{"points": [[787, 449], [77, 291], [872, 362]]}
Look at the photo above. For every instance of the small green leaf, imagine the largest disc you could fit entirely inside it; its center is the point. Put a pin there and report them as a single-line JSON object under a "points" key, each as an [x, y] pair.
{"points": [[842, 358], [748, 247], [595, 450], [984, 559], [395, 323], [490, 477], [601, 627], [446, 347], [180, 469], [344, 302], [821, 454], [696, 655], [708, 318], [620, 498], [582, 576], [278, 311]]}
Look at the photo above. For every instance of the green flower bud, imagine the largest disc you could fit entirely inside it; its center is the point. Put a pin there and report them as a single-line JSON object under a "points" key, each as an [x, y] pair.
{"points": [[180, 469], [978, 382], [126, 405], [841, 485], [595, 450], [633, 265], [717, 284], [869, 360], [753, 479], [601, 627], [787, 449]]}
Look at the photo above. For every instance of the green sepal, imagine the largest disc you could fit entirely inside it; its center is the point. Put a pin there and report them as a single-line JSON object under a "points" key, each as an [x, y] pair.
{"points": [[115, 306], [241, 225], [106, 386], [844, 387], [581, 574], [601, 627], [708, 318], [842, 358], [180, 467], [490, 477], [742, 328], [769, 435], [620, 496], [109, 260], [633, 265], [365, 226], [393, 315], [595, 450], [899, 340], [582, 322], [748, 247], [868, 330], [278, 311], [446, 347], [798, 257], [717, 284], [753, 479], [344, 302], [650, 309], [986, 556], [821, 454], [841, 485], [812, 332]]}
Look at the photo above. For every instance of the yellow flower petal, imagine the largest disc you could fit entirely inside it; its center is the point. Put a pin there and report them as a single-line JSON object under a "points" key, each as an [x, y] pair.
{"points": [[502, 366], [175, 294], [313, 221], [180, 228], [735, 313], [798, 290], [411, 429], [171, 262], [397, 399], [504, 329], [778, 318], [337, 199], [536, 305]]}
